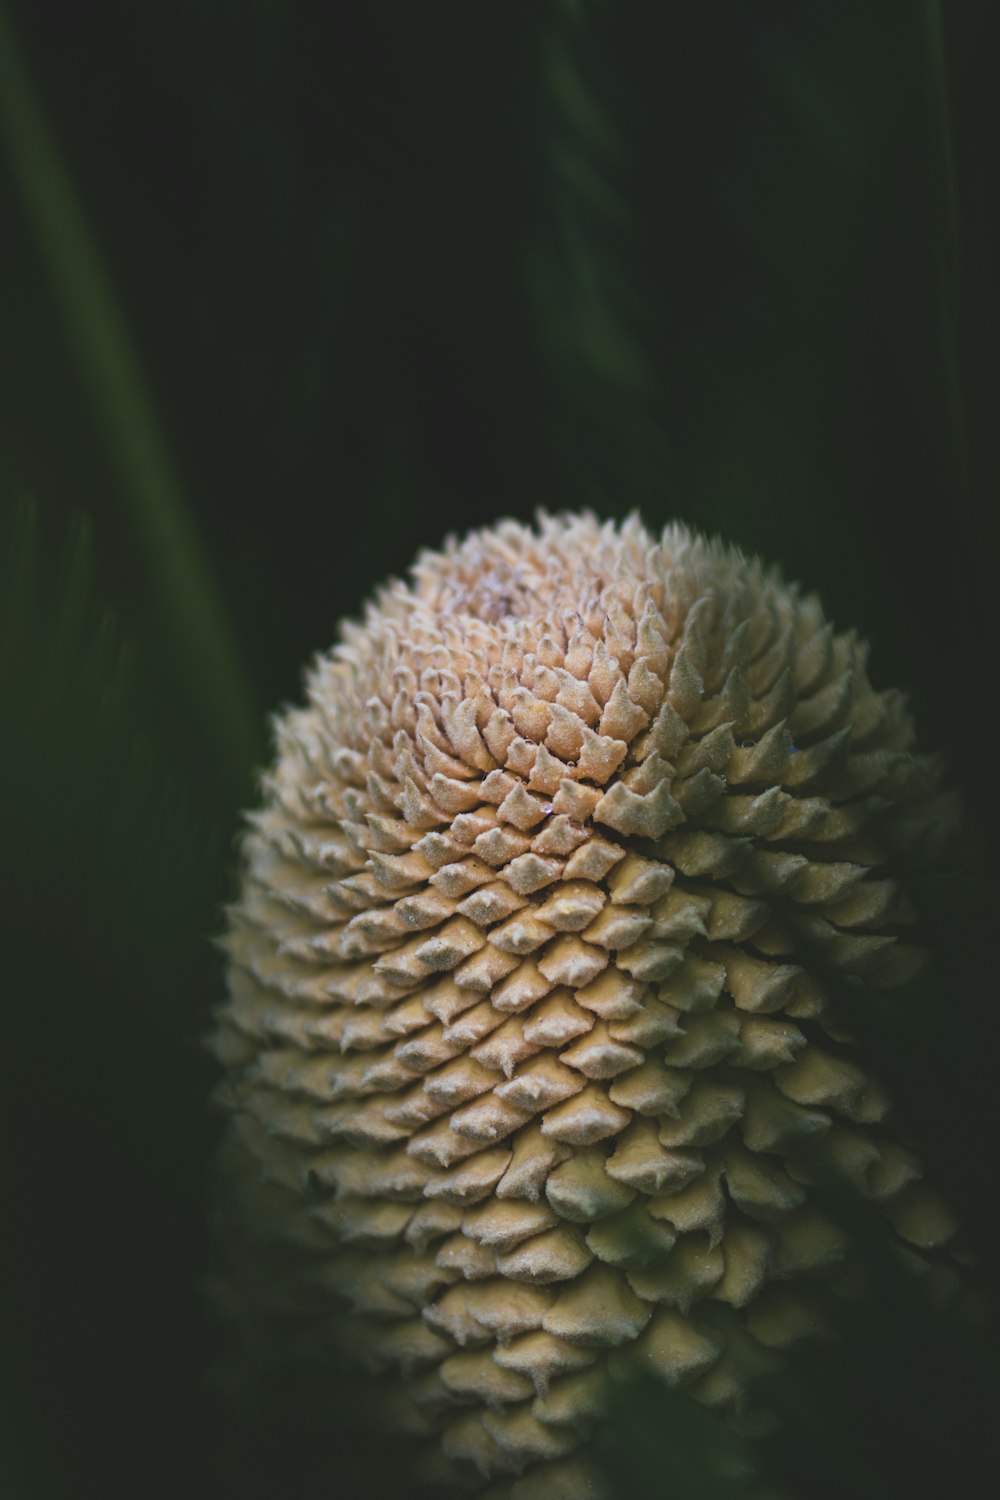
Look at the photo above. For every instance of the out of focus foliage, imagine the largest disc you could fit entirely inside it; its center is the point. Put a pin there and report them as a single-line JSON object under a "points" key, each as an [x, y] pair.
{"points": [[289, 291]]}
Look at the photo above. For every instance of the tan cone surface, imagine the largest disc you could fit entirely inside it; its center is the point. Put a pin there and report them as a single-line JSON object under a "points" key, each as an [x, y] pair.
{"points": [[521, 1032]]}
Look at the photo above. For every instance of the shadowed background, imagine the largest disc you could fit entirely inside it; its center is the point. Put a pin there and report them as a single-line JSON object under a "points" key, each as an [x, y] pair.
{"points": [[289, 292]]}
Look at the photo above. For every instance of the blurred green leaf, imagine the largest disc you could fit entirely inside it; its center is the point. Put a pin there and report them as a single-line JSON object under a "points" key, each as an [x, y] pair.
{"points": [[97, 809], [585, 269], [165, 533], [948, 242], [111, 872]]}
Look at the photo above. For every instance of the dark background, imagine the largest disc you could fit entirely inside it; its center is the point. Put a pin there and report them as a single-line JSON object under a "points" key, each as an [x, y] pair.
{"points": [[384, 271]]}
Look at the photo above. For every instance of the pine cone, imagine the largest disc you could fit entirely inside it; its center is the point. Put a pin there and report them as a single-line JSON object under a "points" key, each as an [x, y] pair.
{"points": [[527, 1017]]}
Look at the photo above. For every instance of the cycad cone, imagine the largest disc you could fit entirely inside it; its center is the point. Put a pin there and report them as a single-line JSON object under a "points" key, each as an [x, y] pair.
{"points": [[522, 1035]]}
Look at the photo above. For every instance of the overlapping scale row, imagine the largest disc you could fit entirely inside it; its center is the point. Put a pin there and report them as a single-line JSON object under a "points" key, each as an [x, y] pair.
{"points": [[526, 1014]]}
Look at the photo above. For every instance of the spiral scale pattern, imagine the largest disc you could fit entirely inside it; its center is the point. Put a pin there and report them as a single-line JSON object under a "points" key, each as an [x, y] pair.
{"points": [[526, 1015]]}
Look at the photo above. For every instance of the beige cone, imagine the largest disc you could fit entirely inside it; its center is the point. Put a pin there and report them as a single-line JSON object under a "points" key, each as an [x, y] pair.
{"points": [[522, 1031]]}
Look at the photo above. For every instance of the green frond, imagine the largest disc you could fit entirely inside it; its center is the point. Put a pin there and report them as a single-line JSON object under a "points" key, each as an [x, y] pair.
{"points": [[157, 509]]}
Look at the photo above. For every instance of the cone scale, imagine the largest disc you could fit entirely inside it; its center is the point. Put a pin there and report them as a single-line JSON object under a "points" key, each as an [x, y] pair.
{"points": [[527, 1020]]}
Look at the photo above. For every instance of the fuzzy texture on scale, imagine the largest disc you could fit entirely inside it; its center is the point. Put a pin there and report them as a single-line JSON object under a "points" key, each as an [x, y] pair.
{"points": [[524, 1025]]}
